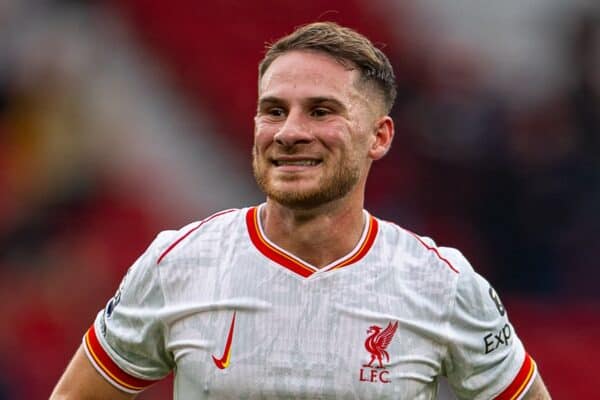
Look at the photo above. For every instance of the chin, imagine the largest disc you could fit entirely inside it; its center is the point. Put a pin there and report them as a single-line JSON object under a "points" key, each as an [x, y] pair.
{"points": [[310, 192], [307, 198], [297, 200]]}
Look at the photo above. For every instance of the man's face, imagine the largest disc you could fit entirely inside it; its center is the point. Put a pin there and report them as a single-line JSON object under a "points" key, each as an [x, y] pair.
{"points": [[313, 129]]}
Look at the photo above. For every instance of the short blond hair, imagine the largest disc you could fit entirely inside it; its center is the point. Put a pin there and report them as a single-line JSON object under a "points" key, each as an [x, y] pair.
{"points": [[345, 45]]}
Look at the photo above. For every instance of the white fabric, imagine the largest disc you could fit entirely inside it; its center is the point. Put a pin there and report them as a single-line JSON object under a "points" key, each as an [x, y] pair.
{"points": [[304, 338]]}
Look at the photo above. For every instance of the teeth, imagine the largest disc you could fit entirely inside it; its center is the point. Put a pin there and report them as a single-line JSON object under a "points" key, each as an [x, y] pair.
{"points": [[298, 162]]}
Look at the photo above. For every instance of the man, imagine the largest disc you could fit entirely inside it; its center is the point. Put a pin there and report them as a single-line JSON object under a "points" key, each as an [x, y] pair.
{"points": [[306, 296]]}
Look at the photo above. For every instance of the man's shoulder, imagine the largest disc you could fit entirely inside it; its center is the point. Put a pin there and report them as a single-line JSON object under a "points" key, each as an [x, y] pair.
{"points": [[201, 234], [422, 252]]}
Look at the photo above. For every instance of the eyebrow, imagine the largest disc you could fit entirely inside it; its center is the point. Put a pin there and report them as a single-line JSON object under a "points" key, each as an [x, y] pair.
{"points": [[311, 100], [269, 100]]}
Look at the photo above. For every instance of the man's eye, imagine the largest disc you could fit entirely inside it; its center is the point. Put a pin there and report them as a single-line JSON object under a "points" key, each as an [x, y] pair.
{"points": [[276, 112], [320, 112]]}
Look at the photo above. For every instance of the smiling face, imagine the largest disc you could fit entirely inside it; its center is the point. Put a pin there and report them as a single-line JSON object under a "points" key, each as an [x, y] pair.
{"points": [[316, 132]]}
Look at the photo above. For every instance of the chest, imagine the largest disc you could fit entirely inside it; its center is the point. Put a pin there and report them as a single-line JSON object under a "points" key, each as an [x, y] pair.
{"points": [[266, 334]]}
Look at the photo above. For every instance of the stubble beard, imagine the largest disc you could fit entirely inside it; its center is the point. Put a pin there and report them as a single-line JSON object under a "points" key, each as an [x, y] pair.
{"points": [[332, 186]]}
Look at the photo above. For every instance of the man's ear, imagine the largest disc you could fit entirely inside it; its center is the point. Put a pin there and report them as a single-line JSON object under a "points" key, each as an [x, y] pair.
{"points": [[384, 133]]}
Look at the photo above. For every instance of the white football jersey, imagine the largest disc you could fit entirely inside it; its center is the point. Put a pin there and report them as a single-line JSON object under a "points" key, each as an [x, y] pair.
{"points": [[234, 316]]}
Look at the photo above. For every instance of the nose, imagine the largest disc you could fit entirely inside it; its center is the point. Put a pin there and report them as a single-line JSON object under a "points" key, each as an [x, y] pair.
{"points": [[294, 130]]}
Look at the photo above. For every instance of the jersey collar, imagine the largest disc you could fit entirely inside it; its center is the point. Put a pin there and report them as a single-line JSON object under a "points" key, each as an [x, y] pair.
{"points": [[297, 265]]}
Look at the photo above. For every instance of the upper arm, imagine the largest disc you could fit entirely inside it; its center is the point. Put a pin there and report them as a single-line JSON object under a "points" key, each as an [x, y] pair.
{"points": [[537, 391], [485, 357], [123, 351], [81, 381]]}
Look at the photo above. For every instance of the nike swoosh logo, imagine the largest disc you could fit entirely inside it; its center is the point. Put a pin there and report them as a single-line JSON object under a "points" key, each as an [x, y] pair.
{"points": [[223, 362]]}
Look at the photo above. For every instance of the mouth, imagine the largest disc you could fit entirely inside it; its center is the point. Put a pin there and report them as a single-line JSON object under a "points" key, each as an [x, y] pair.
{"points": [[295, 163]]}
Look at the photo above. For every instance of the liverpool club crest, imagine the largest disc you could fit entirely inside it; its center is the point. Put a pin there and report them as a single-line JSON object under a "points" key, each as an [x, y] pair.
{"points": [[378, 340]]}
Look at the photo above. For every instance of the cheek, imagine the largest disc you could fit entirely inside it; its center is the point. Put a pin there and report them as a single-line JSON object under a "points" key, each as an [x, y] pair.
{"points": [[263, 134], [360, 136], [334, 136]]}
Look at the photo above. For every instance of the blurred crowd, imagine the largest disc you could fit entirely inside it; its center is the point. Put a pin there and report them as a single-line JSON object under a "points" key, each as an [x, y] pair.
{"points": [[65, 226], [514, 184]]}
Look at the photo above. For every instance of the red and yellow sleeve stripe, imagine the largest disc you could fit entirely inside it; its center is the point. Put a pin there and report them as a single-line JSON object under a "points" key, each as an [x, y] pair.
{"points": [[522, 381], [108, 368]]}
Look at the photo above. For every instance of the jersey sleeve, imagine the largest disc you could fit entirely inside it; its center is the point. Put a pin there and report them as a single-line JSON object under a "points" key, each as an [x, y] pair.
{"points": [[126, 341], [485, 358]]}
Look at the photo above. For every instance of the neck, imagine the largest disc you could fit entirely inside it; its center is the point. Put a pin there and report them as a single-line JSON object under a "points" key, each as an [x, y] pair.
{"points": [[318, 236]]}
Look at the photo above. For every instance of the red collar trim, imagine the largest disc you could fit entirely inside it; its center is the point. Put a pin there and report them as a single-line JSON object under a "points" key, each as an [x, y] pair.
{"points": [[295, 264]]}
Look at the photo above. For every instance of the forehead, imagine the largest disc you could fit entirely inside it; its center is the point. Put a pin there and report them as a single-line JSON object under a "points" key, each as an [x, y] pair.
{"points": [[308, 72]]}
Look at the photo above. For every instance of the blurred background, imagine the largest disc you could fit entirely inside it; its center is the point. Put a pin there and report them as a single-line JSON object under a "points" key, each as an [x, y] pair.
{"points": [[119, 119]]}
